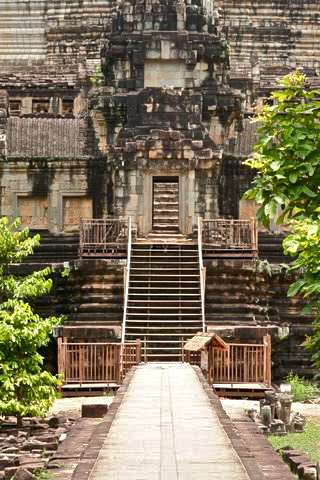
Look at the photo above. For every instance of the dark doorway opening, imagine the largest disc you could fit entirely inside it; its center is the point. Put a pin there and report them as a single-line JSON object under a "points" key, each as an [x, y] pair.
{"points": [[165, 211]]}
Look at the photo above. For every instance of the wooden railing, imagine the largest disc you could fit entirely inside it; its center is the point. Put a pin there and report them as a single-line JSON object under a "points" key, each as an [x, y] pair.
{"points": [[202, 274], [96, 363], [126, 289], [241, 363], [230, 234], [98, 236]]}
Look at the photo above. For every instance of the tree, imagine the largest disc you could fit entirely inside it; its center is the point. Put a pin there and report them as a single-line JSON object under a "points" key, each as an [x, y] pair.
{"points": [[287, 160], [25, 388]]}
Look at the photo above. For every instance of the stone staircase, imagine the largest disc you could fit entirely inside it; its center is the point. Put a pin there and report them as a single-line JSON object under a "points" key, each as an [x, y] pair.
{"points": [[54, 248], [164, 301], [22, 27], [231, 298], [166, 206]]}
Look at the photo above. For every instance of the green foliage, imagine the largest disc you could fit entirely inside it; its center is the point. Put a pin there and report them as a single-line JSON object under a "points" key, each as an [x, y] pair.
{"points": [[42, 475], [97, 79], [307, 442], [287, 154], [263, 266], [301, 389], [287, 160], [25, 389]]}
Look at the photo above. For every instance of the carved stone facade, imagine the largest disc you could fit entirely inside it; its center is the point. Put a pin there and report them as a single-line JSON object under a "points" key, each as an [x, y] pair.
{"points": [[99, 99], [122, 92]]}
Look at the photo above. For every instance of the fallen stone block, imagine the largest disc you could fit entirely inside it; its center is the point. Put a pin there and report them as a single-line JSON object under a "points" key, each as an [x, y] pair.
{"points": [[286, 453], [94, 410], [30, 446], [57, 421], [9, 472], [308, 471], [23, 474], [295, 461], [6, 462]]}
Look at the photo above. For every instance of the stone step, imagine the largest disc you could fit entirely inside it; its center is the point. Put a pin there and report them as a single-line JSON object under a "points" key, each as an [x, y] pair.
{"points": [[98, 307], [160, 330], [112, 318], [165, 227], [170, 208], [153, 262], [163, 301], [149, 310], [164, 293]]}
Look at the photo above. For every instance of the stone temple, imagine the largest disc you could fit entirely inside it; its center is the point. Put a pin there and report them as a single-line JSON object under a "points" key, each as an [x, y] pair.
{"points": [[141, 109]]}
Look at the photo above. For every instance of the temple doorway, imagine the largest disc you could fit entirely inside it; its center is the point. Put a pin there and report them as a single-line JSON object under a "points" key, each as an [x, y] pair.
{"points": [[165, 204]]}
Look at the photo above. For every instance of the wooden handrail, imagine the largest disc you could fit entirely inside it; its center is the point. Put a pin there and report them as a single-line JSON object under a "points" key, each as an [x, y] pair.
{"points": [[254, 234], [201, 270], [241, 363], [126, 290], [96, 362], [98, 234], [267, 343], [230, 234]]}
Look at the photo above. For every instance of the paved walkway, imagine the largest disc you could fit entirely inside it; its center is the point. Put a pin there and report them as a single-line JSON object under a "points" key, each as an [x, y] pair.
{"points": [[166, 429]]}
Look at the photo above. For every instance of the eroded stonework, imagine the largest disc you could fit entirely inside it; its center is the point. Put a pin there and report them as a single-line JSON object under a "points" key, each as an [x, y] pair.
{"points": [[101, 99]]}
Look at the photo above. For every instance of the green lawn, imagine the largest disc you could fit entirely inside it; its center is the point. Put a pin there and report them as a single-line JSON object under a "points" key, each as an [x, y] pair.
{"points": [[307, 442]]}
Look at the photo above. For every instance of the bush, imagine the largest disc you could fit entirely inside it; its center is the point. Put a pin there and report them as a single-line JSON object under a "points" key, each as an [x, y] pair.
{"points": [[25, 388], [301, 389]]}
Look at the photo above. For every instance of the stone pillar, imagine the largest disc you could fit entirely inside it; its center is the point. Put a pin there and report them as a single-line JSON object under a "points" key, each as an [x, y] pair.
{"points": [[266, 415], [181, 15], [271, 401], [286, 403], [4, 107]]}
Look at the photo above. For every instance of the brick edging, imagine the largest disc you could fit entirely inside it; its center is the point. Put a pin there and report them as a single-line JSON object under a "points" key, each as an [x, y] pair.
{"points": [[100, 433], [246, 457]]}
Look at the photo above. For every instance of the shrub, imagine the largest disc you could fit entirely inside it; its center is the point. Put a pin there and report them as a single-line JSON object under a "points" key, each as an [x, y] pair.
{"points": [[25, 388], [301, 389]]}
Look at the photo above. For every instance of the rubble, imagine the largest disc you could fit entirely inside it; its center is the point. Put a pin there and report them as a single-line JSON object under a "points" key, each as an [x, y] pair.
{"points": [[29, 448], [300, 464], [275, 416]]}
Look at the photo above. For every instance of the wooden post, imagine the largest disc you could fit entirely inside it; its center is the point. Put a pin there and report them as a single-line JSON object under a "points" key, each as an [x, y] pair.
{"points": [[138, 351], [119, 363], [210, 364], [81, 365], [254, 235], [60, 361], [188, 356], [145, 349], [182, 351], [267, 359]]}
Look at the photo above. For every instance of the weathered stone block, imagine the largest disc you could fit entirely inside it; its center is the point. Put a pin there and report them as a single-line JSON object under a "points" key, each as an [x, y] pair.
{"points": [[296, 460], [94, 410], [308, 471], [23, 474]]}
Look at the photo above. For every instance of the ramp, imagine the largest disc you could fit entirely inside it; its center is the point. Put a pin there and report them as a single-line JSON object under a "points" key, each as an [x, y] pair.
{"points": [[168, 428]]}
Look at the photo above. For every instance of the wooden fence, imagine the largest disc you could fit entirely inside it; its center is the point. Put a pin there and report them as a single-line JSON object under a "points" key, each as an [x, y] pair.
{"points": [[229, 234], [241, 363], [96, 363], [99, 236]]}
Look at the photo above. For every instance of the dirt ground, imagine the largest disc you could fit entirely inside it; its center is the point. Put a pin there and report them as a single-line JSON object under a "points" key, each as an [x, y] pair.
{"points": [[71, 406], [234, 408]]}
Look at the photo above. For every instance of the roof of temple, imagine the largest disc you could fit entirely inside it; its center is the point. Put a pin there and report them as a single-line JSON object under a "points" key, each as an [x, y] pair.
{"points": [[242, 145], [45, 137]]}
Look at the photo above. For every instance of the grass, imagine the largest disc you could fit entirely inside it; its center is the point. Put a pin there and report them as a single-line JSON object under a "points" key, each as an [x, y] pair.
{"points": [[307, 442]]}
